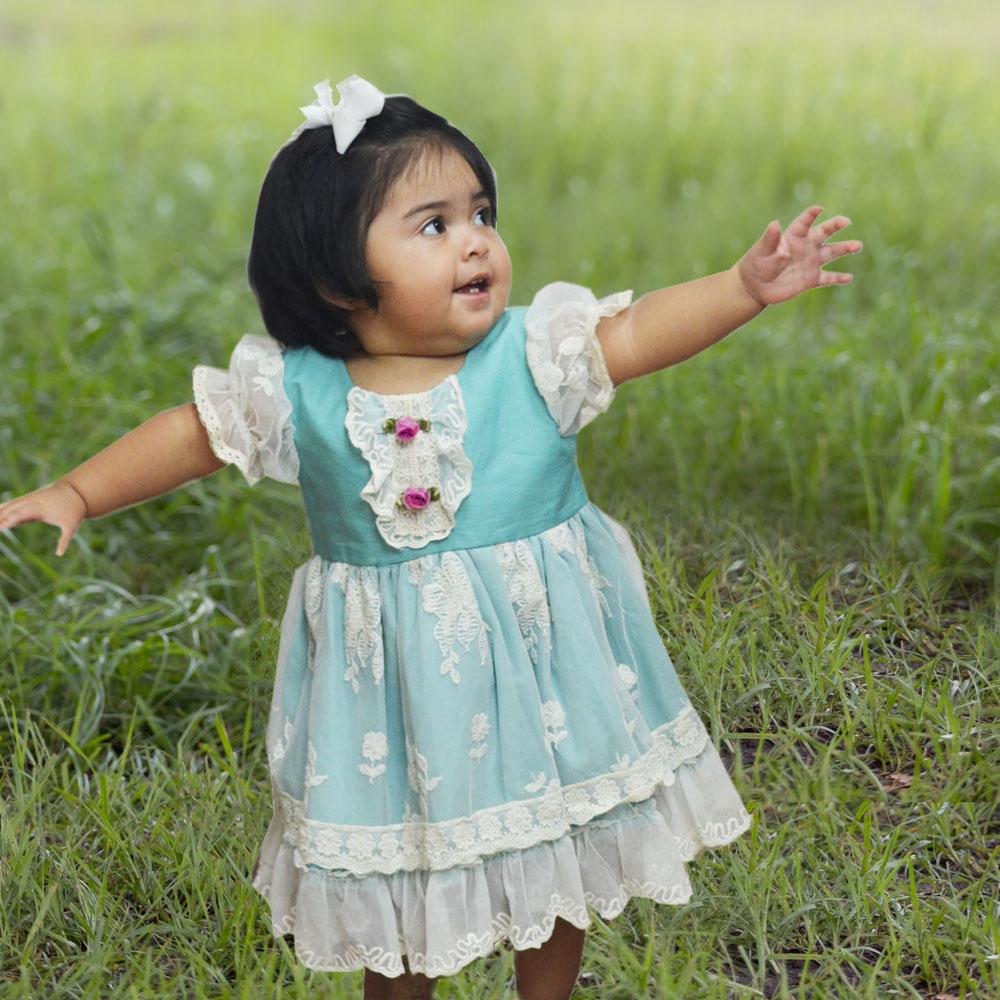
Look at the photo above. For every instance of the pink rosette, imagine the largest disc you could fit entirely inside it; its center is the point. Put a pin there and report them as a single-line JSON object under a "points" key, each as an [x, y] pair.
{"points": [[416, 499], [406, 428]]}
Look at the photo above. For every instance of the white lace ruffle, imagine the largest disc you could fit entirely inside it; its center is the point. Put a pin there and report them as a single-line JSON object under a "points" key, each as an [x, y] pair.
{"points": [[510, 826], [246, 413], [433, 459], [564, 353], [443, 920]]}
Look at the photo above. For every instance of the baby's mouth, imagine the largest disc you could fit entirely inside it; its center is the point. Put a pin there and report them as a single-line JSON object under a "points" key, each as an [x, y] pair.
{"points": [[474, 287]]}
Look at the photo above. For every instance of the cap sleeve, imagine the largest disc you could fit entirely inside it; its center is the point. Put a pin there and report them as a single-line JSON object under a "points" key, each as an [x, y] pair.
{"points": [[564, 354], [246, 413]]}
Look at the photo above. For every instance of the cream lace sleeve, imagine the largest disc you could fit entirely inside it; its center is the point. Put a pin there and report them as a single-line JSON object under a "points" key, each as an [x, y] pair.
{"points": [[564, 354], [246, 413]]}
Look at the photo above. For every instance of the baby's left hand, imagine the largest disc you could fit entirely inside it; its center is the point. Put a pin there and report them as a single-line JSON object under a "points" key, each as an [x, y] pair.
{"points": [[781, 265]]}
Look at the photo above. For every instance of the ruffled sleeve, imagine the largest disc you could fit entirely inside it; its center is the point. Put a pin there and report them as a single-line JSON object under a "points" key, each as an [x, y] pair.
{"points": [[564, 354], [246, 412]]}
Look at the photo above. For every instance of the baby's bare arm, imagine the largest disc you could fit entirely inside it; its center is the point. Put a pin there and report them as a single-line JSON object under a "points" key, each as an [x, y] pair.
{"points": [[167, 451], [672, 324]]}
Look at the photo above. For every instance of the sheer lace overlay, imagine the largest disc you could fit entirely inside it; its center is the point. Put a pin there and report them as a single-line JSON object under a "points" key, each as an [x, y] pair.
{"points": [[246, 413], [564, 354]]}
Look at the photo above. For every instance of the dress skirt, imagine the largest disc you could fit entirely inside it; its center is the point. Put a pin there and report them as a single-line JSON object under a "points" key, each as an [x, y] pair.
{"points": [[467, 744]]}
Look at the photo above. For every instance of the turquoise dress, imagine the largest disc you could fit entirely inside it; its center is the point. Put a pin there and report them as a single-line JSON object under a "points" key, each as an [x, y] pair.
{"points": [[475, 726]]}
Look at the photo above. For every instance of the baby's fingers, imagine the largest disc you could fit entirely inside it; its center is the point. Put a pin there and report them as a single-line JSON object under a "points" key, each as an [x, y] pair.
{"points": [[16, 512], [830, 250], [824, 230], [799, 226], [835, 278], [65, 537], [30, 508]]}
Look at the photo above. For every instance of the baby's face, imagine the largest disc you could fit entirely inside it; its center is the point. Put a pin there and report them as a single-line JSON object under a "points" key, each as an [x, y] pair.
{"points": [[424, 253]]}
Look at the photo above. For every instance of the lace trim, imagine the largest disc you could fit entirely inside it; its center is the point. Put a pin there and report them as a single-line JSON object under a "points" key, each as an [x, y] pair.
{"points": [[502, 927], [474, 946], [430, 460], [564, 353], [419, 844], [205, 381], [245, 412], [288, 888], [470, 947]]}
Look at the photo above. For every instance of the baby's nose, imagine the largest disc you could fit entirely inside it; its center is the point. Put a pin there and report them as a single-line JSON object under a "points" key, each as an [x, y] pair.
{"points": [[477, 241]]}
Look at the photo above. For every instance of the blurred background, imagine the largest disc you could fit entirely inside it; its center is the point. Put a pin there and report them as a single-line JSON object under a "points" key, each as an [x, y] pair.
{"points": [[635, 148], [814, 498]]}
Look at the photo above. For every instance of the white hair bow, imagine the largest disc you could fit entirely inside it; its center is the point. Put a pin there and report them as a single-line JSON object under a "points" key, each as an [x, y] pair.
{"points": [[359, 101]]}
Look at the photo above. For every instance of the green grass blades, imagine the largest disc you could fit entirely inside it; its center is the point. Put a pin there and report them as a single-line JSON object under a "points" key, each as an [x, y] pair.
{"points": [[814, 499]]}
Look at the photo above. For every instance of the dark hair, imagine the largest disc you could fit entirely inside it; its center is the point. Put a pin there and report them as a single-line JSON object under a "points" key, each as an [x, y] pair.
{"points": [[313, 215]]}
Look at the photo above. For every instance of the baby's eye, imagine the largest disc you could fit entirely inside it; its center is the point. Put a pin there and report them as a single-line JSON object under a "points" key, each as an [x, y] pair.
{"points": [[488, 218], [437, 220]]}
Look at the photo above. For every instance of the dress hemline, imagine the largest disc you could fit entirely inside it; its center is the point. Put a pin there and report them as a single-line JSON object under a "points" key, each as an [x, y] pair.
{"points": [[442, 920]]}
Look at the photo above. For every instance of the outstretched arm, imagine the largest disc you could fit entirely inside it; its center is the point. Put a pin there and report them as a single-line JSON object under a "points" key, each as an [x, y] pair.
{"points": [[165, 452], [672, 324]]}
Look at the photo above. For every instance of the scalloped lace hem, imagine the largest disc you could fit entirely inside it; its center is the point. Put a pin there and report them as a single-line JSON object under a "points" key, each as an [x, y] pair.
{"points": [[442, 920], [417, 843]]}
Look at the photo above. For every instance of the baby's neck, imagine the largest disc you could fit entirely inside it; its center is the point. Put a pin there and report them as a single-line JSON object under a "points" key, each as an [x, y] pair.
{"points": [[401, 373]]}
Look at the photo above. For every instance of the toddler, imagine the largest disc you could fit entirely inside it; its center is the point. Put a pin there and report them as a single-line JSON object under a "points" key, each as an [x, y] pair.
{"points": [[476, 732]]}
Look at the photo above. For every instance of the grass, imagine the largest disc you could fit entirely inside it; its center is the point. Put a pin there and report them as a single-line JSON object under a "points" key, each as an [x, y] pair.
{"points": [[814, 498]]}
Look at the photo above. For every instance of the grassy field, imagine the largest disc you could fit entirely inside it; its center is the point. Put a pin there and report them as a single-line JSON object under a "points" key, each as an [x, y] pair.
{"points": [[815, 498]]}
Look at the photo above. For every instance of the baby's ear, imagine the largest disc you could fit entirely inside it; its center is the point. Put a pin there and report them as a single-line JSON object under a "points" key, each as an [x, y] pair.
{"points": [[342, 301]]}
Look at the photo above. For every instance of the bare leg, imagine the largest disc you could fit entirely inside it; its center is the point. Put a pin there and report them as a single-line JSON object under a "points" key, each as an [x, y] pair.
{"points": [[408, 986], [550, 971]]}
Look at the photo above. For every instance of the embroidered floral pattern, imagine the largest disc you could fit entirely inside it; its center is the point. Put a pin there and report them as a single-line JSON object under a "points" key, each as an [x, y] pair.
{"points": [[312, 601], [416, 568], [374, 748], [539, 782], [480, 730], [553, 717], [450, 596], [628, 679], [281, 745], [362, 615], [407, 474], [444, 589], [415, 843], [527, 593], [312, 779], [416, 774]]}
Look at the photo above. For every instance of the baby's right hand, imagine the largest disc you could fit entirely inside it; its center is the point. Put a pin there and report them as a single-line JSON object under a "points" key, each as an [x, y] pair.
{"points": [[57, 504]]}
